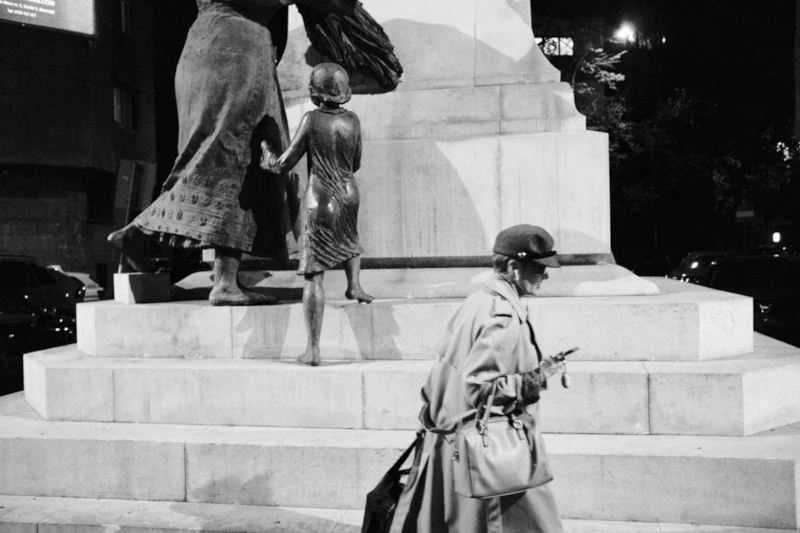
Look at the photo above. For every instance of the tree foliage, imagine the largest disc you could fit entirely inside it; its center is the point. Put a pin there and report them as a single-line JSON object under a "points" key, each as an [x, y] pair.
{"points": [[652, 155]]}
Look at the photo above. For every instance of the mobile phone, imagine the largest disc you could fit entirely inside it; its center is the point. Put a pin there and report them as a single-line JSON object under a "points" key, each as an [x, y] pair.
{"points": [[563, 355]]}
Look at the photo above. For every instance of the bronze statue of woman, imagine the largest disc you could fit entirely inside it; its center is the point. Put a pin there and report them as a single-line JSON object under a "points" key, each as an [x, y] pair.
{"points": [[331, 138], [228, 98]]}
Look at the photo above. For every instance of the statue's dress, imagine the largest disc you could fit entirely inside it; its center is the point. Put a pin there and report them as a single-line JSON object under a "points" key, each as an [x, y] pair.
{"points": [[331, 139], [228, 100]]}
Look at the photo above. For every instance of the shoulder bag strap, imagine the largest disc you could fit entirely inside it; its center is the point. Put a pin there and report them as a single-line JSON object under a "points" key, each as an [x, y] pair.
{"points": [[402, 459]]}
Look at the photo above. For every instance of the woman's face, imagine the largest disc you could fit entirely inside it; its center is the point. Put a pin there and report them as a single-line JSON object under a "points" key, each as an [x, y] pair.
{"points": [[530, 276]]}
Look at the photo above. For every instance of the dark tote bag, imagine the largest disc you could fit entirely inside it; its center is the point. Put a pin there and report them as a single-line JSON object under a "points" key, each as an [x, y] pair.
{"points": [[382, 500]]}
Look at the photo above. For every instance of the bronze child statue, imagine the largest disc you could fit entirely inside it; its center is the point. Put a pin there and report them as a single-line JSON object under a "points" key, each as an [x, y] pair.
{"points": [[331, 137]]}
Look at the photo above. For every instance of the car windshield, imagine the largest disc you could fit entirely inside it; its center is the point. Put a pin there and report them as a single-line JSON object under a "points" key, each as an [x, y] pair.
{"points": [[16, 275]]}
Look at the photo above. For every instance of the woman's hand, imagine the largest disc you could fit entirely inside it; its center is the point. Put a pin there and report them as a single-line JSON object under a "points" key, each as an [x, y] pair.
{"points": [[268, 158], [550, 366]]}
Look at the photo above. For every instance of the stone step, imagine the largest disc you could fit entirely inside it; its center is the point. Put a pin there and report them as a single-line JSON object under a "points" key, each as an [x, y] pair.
{"points": [[684, 322], [736, 481], [21, 514], [452, 282], [733, 396]]}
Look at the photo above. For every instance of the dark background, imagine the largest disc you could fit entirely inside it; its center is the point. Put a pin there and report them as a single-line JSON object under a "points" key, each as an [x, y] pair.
{"points": [[735, 64]]}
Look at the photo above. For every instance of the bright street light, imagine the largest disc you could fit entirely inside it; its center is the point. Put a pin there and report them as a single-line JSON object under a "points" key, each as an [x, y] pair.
{"points": [[626, 32]]}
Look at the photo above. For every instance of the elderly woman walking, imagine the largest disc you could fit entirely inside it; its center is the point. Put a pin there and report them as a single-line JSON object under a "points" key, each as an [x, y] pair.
{"points": [[489, 350]]}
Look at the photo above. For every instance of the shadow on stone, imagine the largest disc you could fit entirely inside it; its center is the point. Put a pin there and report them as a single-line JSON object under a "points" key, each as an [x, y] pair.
{"points": [[244, 507]]}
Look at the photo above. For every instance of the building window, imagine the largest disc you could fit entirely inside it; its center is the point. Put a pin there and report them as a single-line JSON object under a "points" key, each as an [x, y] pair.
{"points": [[126, 16], [556, 46], [124, 112]]}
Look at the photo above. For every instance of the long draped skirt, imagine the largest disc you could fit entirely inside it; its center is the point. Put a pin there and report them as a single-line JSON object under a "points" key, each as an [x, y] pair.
{"points": [[228, 100]]}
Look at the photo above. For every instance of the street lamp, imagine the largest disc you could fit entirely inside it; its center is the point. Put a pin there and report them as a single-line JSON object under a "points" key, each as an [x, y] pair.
{"points": [[626, 32]]}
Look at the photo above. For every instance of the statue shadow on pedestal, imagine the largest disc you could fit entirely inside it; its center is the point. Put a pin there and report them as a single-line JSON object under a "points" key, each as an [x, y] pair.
{"points": [[368, 329], [258, 490]]}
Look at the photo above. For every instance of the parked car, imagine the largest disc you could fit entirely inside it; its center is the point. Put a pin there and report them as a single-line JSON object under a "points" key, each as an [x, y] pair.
{"points": [[47, 289], [26, 328], [774, 284], [92, 291], [694, 267]]}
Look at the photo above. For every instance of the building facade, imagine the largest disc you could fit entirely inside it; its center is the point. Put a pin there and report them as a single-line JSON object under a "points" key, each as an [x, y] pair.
{"points": [[77, 113]]}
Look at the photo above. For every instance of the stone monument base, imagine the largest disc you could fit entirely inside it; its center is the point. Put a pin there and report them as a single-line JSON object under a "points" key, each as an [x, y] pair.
{"points": [[399, 283], [677, 413]]}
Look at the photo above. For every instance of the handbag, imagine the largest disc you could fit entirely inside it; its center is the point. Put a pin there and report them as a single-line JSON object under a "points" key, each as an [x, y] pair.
{"points": [[498, 455], [382, 500]]}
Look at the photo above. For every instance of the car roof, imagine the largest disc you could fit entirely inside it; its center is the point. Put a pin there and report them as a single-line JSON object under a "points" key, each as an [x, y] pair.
{"points": [[23, 259]]}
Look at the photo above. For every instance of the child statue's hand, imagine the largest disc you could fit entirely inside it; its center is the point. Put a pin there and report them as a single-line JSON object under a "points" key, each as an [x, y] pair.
{"points": [[269, 161]]}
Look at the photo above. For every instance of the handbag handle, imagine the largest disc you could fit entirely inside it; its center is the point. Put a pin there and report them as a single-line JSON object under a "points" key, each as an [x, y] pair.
{"points": [[483, 422], [402, 459], [450, 425]]}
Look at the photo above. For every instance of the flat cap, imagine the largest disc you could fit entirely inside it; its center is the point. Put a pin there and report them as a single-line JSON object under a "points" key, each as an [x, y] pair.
{"points": [[527, 243]]}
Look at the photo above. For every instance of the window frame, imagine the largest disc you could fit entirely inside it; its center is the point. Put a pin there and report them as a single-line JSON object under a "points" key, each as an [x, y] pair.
{"points": [[561, 43], [126, 16], [124, 108]]}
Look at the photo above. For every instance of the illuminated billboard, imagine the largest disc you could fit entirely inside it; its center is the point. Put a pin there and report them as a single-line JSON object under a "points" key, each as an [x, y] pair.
{"points": [[76, 16]]}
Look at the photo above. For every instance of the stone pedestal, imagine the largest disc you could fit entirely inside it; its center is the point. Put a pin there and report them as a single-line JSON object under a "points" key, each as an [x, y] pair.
{"points": [[480, 135]]}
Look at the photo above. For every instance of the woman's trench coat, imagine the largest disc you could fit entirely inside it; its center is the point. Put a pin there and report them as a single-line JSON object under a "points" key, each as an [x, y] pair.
{"points": [[489, 339]]}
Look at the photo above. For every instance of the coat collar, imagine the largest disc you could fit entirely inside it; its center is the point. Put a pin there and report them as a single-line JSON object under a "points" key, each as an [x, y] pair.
{"points": [[506, 291]]}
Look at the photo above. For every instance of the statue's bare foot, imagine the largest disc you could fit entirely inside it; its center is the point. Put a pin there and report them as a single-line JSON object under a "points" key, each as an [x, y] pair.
{"points": [[130, 242], [255, 294], [311, 358], [234, 296], [358, 294]]}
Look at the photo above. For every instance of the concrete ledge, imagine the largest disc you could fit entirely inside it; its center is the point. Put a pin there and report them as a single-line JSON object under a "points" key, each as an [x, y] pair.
{"points": [[186, 329], [738, 396], [748, 481], [699, 480], [435, 283], [682, 323], [705, 480], [605, 398], [20, 514], [55, 515], [39, 458]]}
